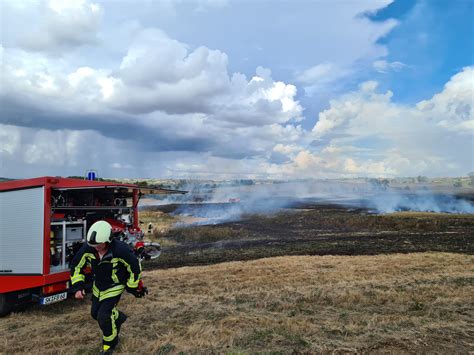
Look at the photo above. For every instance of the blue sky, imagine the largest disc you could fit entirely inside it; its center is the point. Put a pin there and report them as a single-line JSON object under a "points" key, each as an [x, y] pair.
{"points": [[434, 38], [237, 88]]}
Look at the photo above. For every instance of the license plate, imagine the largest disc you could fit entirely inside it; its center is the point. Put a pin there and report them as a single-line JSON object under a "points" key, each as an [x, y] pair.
{"points": [[54, 298]]}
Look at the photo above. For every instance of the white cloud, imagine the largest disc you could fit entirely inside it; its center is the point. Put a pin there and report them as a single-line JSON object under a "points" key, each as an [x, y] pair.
{"points": [[324, 78], [359, 48], [92, 84], [9, 140], [63, 25], [241, 120], [286, 149], [362, 133], [382, 66], [432, 137], [321, 73], [157, 74], [356, 108], [154, 57], [166, 101], [50, 83], [453, 107], [160, 74]]}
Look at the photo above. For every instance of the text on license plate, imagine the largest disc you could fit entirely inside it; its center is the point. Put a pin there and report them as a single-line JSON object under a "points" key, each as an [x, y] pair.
{"points": [[53, 298]]}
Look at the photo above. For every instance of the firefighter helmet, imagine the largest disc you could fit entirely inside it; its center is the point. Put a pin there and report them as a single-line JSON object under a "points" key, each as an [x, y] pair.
{"points": [[99, 232]]}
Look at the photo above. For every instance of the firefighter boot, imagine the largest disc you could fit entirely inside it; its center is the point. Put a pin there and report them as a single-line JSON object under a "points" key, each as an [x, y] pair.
{"points": [[120, 320], [107, 350]]}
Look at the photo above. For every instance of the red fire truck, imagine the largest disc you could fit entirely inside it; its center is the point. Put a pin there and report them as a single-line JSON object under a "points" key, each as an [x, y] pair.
{"points": [[44, 221]]}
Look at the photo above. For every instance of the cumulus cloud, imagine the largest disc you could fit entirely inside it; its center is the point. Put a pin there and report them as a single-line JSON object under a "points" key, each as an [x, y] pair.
{"points": [[191, 105], [430, 138], [452, 108], [362, 133], [161, 74], [149, 102], [158, 73], [355, 108], [183, 83], [62, 25]]}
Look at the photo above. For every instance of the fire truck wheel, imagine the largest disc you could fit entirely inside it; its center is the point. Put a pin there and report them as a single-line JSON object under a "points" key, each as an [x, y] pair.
{"points": [[5, 307]]}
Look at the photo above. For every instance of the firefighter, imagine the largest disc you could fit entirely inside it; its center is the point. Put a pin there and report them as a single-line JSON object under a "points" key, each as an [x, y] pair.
{"points": [[115, 268]]}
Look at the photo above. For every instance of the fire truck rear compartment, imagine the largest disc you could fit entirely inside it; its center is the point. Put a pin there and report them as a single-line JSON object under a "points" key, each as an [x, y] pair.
{"points": [[43, 223], [27, 241]]}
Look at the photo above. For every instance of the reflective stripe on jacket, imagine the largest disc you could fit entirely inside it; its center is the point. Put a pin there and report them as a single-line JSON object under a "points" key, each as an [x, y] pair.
{"points": [[118, 267]]}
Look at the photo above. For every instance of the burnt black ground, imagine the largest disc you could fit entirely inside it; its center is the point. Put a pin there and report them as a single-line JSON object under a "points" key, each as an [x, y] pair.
{"points": [[318, 229]]}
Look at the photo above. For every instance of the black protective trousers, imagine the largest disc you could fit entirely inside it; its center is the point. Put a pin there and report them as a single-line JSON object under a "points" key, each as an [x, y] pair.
{"points": [[109, 318]]}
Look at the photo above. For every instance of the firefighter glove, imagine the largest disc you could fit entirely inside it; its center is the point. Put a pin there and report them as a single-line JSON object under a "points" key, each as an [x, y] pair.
{"points": [[140, 291]]}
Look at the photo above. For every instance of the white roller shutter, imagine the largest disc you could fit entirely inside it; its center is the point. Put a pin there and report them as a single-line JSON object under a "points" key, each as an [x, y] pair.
{"points": [[21, 231]]}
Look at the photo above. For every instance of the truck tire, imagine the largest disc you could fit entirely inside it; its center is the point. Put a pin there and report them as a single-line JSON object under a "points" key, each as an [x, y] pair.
{"points": [[5, 306]]}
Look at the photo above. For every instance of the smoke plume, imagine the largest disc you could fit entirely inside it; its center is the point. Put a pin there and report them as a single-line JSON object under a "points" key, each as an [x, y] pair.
{"points": [[212, 203]]}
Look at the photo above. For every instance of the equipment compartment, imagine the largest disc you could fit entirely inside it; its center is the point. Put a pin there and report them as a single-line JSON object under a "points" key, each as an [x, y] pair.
{"points": [[65, 238], [74, 233]]}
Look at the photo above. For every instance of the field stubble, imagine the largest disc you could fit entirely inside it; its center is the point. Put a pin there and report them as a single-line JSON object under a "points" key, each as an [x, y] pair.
{"points": [[408, 303]]}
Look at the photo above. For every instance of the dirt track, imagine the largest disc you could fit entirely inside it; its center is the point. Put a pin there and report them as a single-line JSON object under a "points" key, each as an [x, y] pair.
{"points": [[318, 230]]}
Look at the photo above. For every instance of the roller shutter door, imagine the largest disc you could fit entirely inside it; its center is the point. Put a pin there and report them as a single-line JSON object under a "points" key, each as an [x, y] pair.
{"points": [[21, 231]]}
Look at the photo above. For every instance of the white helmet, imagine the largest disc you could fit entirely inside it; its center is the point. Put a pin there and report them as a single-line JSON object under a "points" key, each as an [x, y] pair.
{"points": [[99, 232]]}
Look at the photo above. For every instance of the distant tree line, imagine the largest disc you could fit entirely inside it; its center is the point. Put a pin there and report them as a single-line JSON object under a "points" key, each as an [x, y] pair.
{"points": [[379, 184], [471, 176]]}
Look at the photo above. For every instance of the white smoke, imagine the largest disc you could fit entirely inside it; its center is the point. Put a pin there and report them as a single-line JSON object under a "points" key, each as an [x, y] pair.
{"points": [[420, 201], [213, 203]]}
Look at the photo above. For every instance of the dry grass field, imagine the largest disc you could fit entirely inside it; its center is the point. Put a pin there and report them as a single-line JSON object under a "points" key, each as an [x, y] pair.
{"points": [[398, 303]]}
